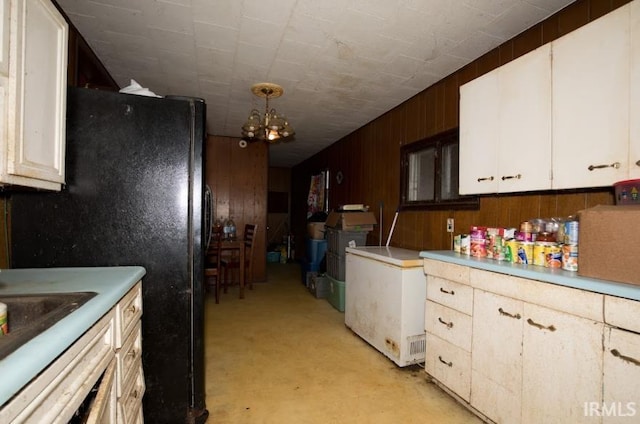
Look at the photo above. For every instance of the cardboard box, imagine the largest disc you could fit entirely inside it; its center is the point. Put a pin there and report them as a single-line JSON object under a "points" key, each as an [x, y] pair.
{"points": [[351, 221], [315, 230], [609, 243]]}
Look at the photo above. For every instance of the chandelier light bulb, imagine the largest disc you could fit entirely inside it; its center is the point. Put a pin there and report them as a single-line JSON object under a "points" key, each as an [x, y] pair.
{"points": [[269, 127]]}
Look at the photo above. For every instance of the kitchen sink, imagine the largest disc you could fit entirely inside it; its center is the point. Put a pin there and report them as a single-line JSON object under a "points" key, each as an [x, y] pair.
{"points": [[31, 314]]}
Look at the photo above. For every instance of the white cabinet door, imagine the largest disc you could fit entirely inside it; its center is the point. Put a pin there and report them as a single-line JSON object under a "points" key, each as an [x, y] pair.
{"points": [[524, 154], [634, 92], [496, 359], [38, 72], [562, 366], [621, 377], [505, 127], [590, 94], [479, 115]]}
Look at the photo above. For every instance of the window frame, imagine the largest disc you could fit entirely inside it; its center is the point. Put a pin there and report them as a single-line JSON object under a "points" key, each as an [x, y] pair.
{"points": [[436, 142]]}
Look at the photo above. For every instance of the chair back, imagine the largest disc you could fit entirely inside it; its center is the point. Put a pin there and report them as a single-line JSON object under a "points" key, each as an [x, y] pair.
{"points": [[249, 241]]}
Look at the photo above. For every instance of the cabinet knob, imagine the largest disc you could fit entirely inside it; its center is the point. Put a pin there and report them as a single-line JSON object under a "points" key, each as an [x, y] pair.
{"points": [[638, 163], [614, 165]]}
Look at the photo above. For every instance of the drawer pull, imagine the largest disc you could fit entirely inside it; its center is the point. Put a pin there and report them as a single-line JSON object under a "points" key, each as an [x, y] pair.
{"points": [[448, 324], [507, 314], [449, 364], [132, 353], [638, 163], [614, 165], [447, 292], [132, 309], [629, 359], [488, 178], [134, 394], [540, 326], [511, 177]]}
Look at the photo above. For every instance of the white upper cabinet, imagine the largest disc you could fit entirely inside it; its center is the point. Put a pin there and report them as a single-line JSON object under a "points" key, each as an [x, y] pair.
{"points": [[634, 92], [505, 127], [33, 138], [479, 115], [591, 78]]}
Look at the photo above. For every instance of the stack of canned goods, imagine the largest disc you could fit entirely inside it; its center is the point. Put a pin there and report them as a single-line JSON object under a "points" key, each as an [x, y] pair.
{"points": [[550, 244]]}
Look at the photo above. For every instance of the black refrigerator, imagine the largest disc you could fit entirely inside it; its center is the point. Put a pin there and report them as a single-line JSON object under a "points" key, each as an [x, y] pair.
{"points": [[134, 195]]}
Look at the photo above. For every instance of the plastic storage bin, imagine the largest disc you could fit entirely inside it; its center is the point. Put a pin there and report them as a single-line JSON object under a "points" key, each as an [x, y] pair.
{"points": [[336, 293], [273, 257], [338, 240], [336, 266], [627, 192], [308, 268], [319, 286], [316, 250]]}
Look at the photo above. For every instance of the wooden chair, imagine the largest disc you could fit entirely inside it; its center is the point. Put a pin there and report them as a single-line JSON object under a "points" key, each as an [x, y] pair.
{"points": [[233, 262], [213, 259]]}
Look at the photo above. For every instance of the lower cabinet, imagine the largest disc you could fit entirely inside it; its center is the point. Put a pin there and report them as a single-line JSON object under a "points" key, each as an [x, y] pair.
{"points": [[97, 362], [538, 353], [561, 366]]}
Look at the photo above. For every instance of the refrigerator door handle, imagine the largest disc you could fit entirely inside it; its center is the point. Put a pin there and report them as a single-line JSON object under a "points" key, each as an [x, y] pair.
{"points": [[208, 214]]}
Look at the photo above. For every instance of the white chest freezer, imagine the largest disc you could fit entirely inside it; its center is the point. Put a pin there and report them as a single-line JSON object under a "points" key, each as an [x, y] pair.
{"points": [[385, 292]]}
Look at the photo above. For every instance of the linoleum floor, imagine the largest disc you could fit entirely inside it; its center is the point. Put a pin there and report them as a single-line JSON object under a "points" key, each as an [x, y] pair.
{"points": [[282, 356]]}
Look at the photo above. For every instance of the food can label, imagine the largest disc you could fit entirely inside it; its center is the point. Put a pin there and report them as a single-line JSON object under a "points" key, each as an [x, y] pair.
{"points": [[539, 253], [525, 252], [479, 248], [511, 251], [465, 244], [4, 326], [553, 256], [570, 257], [571, 232]]}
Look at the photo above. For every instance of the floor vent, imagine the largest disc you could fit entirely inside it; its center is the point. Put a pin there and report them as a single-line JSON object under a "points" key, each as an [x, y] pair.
{"points": [[417, 345]]}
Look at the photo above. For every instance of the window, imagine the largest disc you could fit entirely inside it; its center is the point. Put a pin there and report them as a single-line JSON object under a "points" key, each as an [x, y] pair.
{"points": [[429, 177]]}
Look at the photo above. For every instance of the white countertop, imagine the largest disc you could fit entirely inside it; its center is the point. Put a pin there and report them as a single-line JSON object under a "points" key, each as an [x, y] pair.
{"points": [[110, 284], [393, 255], [533, 272]]}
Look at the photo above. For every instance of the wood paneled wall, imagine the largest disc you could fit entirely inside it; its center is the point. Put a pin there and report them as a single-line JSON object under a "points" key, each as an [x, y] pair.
{"points": [[278, 223], [238, 180], [369, 157]]}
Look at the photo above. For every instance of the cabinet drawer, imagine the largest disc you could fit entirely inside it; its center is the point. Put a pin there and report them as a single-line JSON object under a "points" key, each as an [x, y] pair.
{"points": [[448, 324], [453, 272], [129, 358], [130, 403], [449, 293], [128, 312], [622, 313], [577, 302], [449, 364]]}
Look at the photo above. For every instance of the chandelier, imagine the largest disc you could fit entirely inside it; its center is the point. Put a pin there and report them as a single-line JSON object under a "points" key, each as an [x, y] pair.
{"points": [[272, 126]]}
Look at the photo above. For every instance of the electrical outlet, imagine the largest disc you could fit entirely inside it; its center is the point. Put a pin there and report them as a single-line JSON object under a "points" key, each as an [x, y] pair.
{"points": [[449, 225]]}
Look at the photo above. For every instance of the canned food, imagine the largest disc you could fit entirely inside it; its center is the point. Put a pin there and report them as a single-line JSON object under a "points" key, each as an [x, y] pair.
{"points": [[553, 256], [511, 251], [465, 244], [4, 326], [539, 252], [525, 252], [479, 248], [571, 232], [570, 257]]}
